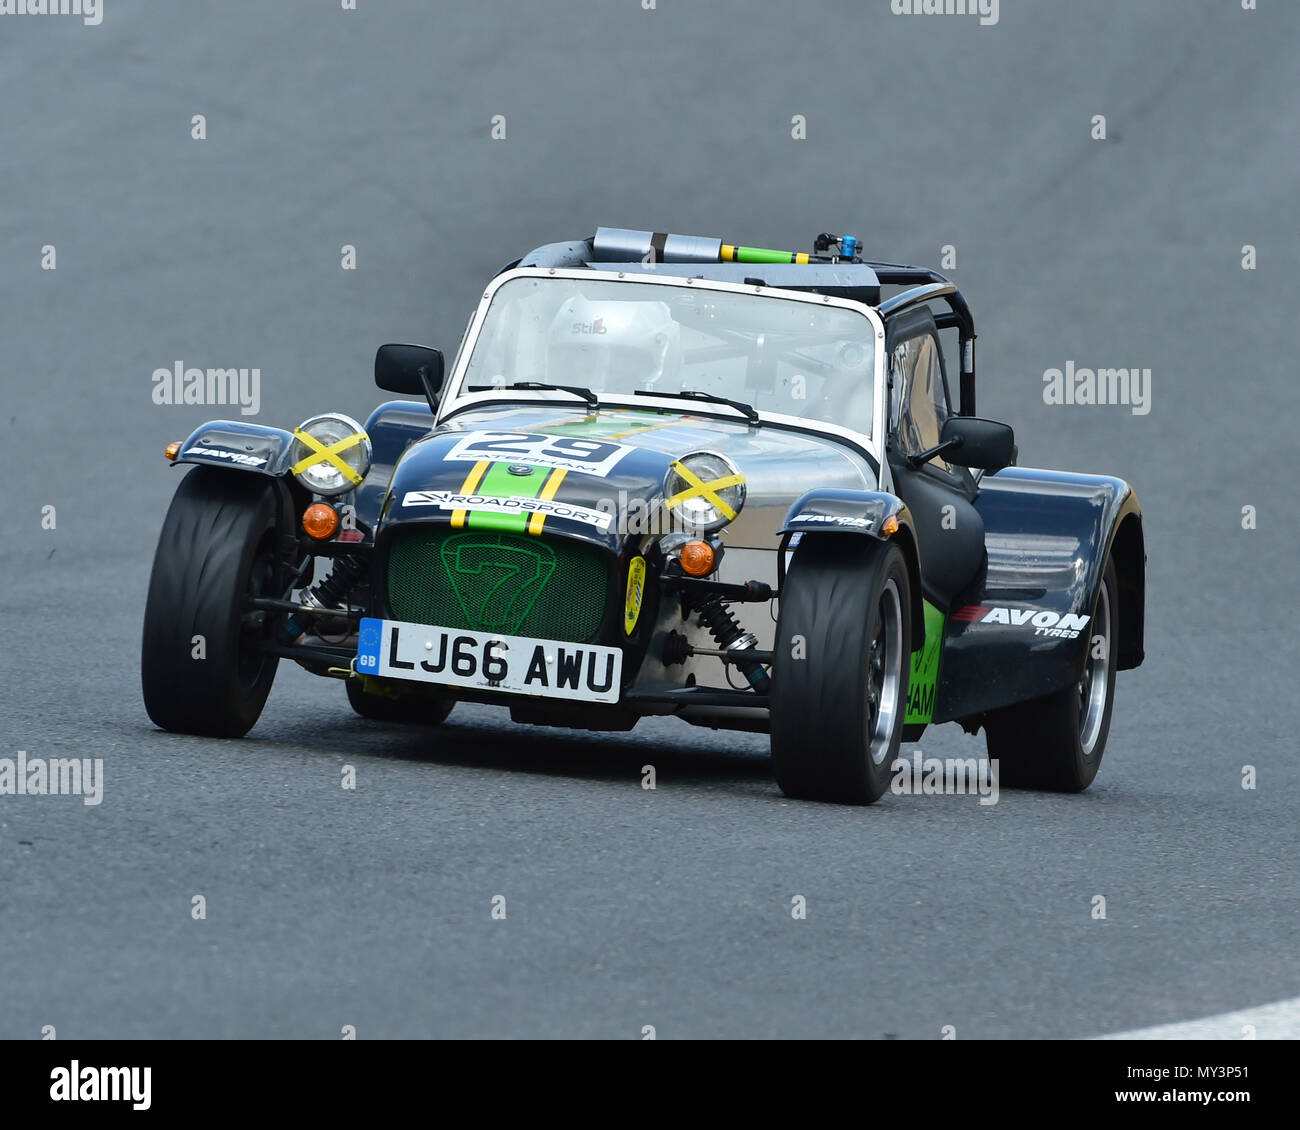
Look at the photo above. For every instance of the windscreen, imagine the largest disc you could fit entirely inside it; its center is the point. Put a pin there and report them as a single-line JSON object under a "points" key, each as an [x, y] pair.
{"points": [[781, 356]]}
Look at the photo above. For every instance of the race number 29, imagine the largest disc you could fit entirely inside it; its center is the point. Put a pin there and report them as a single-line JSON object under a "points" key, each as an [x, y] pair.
{"points": [[590, 456]]}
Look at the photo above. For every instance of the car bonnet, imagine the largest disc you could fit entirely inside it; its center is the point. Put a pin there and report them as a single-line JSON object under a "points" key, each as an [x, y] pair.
{"points": [[626, 455]]}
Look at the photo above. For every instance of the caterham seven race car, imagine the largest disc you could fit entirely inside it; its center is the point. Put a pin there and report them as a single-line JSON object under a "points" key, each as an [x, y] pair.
{"points": [[666, 475]]}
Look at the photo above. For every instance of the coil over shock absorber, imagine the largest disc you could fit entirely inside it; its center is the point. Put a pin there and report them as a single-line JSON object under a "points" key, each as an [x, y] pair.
{"points": [[332, 592], [730, 636]]}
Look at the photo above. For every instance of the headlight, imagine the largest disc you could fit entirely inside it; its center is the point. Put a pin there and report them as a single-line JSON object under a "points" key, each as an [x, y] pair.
{"points": [[704, 491], [331, 453]]}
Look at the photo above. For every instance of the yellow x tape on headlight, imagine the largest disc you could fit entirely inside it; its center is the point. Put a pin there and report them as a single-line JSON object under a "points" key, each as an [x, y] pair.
{"points": [[330, 454], [698, 489]]}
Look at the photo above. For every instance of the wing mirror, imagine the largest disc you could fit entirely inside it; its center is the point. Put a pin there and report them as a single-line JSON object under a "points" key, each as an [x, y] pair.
{"points": [[414, 370], [982, 445], [968, 441]]}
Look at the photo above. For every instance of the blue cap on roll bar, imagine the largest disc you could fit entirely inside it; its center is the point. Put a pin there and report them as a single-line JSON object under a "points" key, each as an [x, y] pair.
{"points": [[848, 247]]}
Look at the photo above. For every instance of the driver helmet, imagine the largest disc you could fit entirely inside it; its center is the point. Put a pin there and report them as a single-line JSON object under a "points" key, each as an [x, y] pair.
{"points": [[612, 346]]}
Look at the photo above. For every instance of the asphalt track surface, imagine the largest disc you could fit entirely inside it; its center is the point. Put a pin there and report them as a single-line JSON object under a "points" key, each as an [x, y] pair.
{"points": [[626, 907]]}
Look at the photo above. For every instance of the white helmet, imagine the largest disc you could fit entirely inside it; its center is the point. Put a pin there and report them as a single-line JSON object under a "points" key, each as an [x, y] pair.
{"points": [[612, 346]]}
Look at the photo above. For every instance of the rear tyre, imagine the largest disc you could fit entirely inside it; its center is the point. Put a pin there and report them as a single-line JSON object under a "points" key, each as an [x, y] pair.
{"points": [[413, 709], [200, 669], [1056, 743], [839, 678]]}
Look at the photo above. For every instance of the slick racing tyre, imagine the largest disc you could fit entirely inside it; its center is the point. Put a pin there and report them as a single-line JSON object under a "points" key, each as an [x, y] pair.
{"points": [[200, 667], [413, 708], [1055, 743], [840, 671]]}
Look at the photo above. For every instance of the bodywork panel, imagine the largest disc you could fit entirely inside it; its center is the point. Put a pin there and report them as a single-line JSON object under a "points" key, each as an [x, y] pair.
{"points": [[240, 447], [392, 428], [827, 510], [1020, 630]]}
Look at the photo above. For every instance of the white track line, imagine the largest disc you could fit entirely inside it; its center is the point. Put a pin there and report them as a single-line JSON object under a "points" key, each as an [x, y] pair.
{"points": [[1278, 1021]]}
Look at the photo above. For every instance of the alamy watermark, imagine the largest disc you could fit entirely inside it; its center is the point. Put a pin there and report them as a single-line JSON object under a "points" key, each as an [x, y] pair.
{"points": [[952, 776], [76, 1083], [987, 10], [59, 776], [90, 11], [1075, 385], [179, 385]]}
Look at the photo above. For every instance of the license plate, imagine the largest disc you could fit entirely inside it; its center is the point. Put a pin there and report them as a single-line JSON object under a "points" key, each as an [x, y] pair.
{"points": [[489, 662]]}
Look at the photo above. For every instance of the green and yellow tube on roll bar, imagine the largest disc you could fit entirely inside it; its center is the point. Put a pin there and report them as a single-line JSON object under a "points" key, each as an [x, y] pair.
{"points": [[620, 245]]}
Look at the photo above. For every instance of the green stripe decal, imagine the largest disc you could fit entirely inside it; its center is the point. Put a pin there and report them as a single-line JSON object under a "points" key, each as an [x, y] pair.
{"points": [[616, 424], [500, 483], [924, 679]]}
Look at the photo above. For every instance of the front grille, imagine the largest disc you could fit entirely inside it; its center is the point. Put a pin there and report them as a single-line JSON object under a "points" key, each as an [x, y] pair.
{"points": [[549, 588]]}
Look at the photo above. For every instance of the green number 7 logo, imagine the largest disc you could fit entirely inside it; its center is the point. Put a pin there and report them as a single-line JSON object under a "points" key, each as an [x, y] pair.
{"points": [[496, 582]]}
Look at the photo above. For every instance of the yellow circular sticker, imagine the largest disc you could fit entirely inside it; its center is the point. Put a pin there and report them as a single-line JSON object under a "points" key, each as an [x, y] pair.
{"points": [[635, 594]]}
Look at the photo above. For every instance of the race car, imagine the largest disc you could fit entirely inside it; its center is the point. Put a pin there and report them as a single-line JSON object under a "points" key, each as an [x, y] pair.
{"points": [[665, 475]]}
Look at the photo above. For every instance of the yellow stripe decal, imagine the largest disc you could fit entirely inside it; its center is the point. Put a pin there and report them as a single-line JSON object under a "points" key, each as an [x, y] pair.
{"points": [[548, 492], [638, 430], [469, 486]]}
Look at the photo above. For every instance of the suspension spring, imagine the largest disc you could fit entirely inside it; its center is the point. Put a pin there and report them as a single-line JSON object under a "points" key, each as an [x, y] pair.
{"points": [[332, 592], [730, 636]]}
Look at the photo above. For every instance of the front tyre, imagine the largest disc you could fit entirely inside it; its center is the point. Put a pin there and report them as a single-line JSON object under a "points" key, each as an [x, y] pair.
{"points": [[1056, 743], [840, 671], [201, 668]]}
